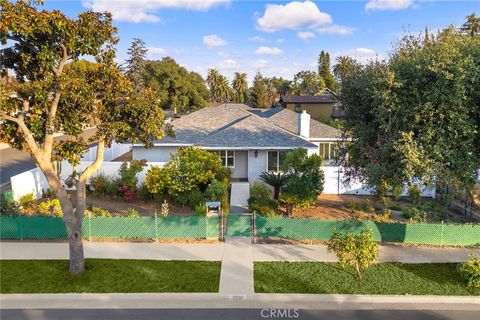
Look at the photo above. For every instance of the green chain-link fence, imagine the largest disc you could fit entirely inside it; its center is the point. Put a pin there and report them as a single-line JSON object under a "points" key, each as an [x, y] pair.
{"points": [[239, 226], [420, 233], [22, 227]]}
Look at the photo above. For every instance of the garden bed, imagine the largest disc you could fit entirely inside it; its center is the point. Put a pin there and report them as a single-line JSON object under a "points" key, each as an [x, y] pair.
{"points": [[382, 278], [106, 275]]}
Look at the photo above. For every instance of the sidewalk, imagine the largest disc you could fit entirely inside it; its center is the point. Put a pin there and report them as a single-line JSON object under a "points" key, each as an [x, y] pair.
{"points": [[215, 252], [236, 275]]}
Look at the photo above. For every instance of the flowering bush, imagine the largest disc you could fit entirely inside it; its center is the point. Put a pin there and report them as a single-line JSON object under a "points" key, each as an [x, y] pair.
{"points": [[127, 193]]}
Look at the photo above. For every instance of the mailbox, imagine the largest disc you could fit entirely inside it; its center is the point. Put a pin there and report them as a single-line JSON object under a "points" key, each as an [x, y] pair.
{"points": [[213, 208]]}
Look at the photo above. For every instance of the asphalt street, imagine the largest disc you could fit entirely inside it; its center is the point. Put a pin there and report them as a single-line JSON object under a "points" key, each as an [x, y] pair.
{"points": [[236, 314]]}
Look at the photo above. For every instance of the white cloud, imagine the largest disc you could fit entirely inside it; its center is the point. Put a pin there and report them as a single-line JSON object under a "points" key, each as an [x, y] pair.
{"points": [[269, 51], [260, 64], [153, 51], [305, 35], [144, 10], [212, 40], [227, 64], [223, 54], [257, 39], [362, 55], [388, 4], [280, 40], [336, 29], [293, 15]]}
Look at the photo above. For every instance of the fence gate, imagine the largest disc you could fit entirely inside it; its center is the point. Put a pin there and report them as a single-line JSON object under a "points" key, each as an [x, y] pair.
{"points": [[239, 225]]}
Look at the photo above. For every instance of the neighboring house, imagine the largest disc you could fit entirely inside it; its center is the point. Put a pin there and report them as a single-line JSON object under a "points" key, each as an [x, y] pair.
{"points": [[249, 141], [325, 105]]}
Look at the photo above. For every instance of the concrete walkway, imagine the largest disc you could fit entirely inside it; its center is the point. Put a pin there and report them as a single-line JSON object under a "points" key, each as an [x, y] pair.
{"points": [[236, 275], [227, 250]]}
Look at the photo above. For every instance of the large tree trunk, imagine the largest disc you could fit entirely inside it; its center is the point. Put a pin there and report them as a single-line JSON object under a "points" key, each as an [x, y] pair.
{"points": [[77, 259]]}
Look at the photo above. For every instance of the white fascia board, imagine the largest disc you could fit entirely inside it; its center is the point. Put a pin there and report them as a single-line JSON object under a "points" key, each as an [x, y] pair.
{"points": [[255, 148]]}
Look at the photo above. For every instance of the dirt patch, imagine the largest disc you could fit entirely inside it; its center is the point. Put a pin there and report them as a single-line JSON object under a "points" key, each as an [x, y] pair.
{"points": [[117, 206]]}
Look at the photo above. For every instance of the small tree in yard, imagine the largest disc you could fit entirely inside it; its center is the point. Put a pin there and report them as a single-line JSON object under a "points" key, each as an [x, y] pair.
{"points": [[354, 251], [54, 95], [276, 180]]}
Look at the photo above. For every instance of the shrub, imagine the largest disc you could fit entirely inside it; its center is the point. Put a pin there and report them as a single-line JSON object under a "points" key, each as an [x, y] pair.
{"points": [[415, 215], [143, 193], [99, 183], [99, 212], [470, 270], [216, 191], [397, 191], [434, 209], [128, 173], [354, 251], [261, 201], [201, 209], [127, 193], [50, 208], [382, 217], [132, 213], [300, 191], [27, 200], [165, 209], [414, 193], [111, 187], [9, 207], [368, 206]]}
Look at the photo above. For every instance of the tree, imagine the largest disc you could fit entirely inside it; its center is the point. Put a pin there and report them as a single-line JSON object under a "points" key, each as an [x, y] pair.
{"points": [[354, 251], [306, 179], [285, 88], [345, 66], [472, 26], [178, 89], [271, 92], [259, 93], [136, 63], [220, 90], [240, 86], [416, 117], [308, 83], [276, 180], [56, 96], [324, 70]]}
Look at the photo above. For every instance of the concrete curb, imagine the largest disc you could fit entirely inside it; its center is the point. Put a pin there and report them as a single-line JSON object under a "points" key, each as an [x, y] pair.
{"points": [[216, 300]]}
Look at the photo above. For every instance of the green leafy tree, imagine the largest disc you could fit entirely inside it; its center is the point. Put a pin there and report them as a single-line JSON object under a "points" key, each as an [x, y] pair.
{"points": [[136, 63], [276, 180], [416, 117], [55, 96], [324, 70], [357, 251], [188, 169], [177, 88], [308, 83], [285, 88], [470, 270], [240, 86], [259, 97]]}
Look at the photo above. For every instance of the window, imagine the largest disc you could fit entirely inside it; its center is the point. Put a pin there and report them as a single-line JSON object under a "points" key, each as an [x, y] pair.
{"points": [[328, 151], [227, 157], [298, 108], [275, 160]]}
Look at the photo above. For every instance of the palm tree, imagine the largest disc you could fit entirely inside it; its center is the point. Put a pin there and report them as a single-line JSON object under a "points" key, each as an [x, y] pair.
{"points": [[240, 86], [345, 66], [219, 87], [276, 180], [285, 88], [472, 25]]}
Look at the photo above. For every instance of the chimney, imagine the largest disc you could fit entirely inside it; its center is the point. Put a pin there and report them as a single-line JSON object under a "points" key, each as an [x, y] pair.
{"points": [[304, 124]]}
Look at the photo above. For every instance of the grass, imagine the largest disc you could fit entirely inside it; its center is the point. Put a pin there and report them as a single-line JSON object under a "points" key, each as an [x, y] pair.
{"points": [[105, 275], [383, 278]]}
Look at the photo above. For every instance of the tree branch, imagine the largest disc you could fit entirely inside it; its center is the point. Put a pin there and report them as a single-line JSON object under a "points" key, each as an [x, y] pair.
{"points": [[96, 164], [32, 144]]}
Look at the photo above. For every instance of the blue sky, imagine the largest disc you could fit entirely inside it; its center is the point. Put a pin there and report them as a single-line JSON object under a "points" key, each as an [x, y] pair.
{"points": [[273, 37]]}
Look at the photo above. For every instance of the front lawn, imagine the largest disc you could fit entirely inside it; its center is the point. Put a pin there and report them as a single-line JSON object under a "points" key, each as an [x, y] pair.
{"points": [[105, 275], [383, 278]]}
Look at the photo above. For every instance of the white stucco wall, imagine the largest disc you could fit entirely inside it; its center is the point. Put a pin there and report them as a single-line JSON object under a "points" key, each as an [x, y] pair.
{"points": [[154, 154]]}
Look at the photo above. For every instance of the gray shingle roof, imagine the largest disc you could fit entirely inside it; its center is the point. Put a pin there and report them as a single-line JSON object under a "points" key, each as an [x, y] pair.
{"points": [[326, 98], [235, 126]]}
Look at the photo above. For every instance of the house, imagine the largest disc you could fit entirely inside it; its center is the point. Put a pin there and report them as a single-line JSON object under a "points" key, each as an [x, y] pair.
{"points": [[325, 106], [249, 141]]}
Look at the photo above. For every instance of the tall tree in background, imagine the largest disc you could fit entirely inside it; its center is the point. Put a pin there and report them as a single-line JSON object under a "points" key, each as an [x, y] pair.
{"points": [[472, 25], [136, 63], [308, 83], [285, 88], [240, 86], [259, 93], [324, 70], [345, 66], [55, 96], [416, 116], [272, 94], [178, 89], [220, 90]]}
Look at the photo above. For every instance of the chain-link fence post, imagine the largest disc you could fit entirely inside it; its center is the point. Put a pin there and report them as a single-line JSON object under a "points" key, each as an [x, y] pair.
{"points": [[441, 234], [89, 226], [20, 227], [156, 228], [254, 228]]}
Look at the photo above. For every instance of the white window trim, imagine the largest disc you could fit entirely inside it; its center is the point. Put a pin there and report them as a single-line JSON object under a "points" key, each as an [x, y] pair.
{"points": [[278, 161], [225, 162]]}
